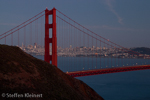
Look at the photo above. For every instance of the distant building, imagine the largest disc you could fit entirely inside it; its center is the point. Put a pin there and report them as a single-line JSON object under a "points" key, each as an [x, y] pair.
{"points": [[35, 45], [30, 47], [70, 46]]}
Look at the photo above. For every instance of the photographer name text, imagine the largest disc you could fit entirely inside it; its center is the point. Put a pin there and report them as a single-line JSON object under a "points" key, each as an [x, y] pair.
{"points": [[24, 95]]}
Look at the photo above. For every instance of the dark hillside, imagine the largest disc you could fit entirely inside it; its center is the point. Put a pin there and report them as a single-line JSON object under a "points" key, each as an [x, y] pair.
{"points": [[21, 73]]}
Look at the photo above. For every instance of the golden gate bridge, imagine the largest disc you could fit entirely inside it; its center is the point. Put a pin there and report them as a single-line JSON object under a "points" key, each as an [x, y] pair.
{"points": [[87, 53]]}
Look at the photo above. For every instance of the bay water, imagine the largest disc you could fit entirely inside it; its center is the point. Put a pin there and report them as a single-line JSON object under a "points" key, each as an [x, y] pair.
{"points": [[132, 85]]}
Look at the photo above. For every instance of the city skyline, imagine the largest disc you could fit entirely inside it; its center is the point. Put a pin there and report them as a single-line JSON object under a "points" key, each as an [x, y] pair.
{"points": [[84, 51]]}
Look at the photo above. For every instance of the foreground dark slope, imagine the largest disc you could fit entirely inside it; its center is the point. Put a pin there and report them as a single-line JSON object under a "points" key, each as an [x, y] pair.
{"points": [[21, 73]]}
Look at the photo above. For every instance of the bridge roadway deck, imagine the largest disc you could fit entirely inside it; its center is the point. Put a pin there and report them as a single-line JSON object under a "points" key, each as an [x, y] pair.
{"points": [[107, 70]]}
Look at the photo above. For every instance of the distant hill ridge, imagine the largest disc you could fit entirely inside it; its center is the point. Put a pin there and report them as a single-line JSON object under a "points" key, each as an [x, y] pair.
{"points": [[142, 50], [22, 73]]}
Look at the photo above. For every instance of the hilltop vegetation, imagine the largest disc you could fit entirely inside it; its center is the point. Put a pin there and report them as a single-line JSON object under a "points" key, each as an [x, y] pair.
{"points": [[22, 73]]}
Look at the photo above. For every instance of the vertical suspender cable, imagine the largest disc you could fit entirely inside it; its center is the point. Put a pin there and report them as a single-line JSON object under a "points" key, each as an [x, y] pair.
{"points": [[96, 54], [18, 37], [108, 55], [100, 52], [37, 31], [5, 40], [11, 38]]}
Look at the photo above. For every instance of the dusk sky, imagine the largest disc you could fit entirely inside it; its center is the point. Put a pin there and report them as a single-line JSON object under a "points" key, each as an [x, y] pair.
{"points": [[125, 22]]}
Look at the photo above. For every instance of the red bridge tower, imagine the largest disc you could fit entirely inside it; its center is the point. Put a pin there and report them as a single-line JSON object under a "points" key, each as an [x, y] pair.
{"points": [[53, 40]]}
